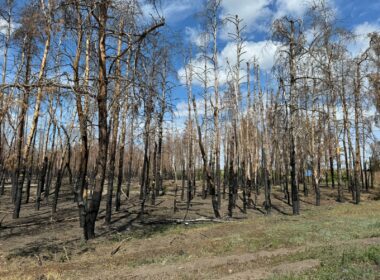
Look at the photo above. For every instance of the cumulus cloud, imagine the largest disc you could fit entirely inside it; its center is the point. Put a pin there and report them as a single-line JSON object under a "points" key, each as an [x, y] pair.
{"points": [[254, 13], [361, 32], [258, 14], [175, 10], [182, 108], [4, 26], [264, 53], [294, 8], [195, 36], [3, 30], [198, 67]]}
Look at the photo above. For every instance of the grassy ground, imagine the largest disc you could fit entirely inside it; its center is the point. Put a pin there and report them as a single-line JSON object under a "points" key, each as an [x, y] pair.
{"points": [[333, 241]]}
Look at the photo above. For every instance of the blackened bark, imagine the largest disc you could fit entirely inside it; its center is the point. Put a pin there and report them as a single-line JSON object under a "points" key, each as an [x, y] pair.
{"points": [[41, 183], [93, 203]]}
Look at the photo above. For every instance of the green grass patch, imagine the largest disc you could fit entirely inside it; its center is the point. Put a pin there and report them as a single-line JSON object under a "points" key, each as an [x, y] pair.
{"points": [[343, 262], [180, 255]]}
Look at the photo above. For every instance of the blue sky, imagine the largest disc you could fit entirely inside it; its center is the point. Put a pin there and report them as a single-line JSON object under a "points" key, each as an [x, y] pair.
{"points": [[180, 15], [182, 19], [360, 17]]}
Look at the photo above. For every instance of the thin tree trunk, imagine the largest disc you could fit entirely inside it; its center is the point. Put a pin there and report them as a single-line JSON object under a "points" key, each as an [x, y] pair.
{"points": [[210, 180], [16, 212], [93, 203], [121, 157], [115, 129], [30, 173], [295, 198], [357, 88]]}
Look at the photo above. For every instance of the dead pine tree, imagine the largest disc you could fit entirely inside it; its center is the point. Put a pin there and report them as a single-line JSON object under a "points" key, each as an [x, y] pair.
{"points": [[289, 31], [190, 184], [47, 13]]}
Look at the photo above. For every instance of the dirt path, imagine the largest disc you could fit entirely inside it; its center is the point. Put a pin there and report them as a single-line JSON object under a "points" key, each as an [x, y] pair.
{"points": [[266, 272], [172, 271], [236, 266]]}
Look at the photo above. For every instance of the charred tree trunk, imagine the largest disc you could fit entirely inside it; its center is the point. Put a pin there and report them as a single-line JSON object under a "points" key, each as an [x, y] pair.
{"points": [[93, 203], [115, 129], [295, 197]]}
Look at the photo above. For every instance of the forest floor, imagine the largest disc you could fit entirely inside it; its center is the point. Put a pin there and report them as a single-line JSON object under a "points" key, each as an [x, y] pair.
{"points": [[332, 241]]}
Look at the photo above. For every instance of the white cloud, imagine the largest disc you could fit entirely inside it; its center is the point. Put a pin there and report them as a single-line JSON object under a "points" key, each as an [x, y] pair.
{"points": [[3, 31], [4, 26], [175, 10], [361, 32], [195, 36], [259, 14], [147, 10], [172, 10], [365, 28], [263, 51], [182, 108], [294, 8], [253, 12], [198, 72]]}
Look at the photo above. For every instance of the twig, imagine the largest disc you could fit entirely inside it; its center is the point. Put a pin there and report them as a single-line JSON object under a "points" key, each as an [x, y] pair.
{"points": [[39, 261], [203, 235], [180, 221], [67, 256], [123, 193], [114, 251], [2, 219], [43, 222]]}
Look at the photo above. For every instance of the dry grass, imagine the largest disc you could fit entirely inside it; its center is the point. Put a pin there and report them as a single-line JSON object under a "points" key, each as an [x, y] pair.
{"points": [[257, 243]]}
